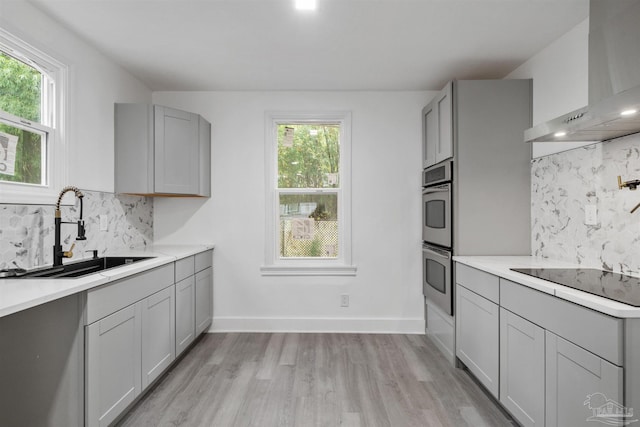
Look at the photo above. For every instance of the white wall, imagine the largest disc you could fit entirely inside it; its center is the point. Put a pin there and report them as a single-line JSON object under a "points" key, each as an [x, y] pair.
{"points": [[385, 295], [95, 83], [560, 81]]}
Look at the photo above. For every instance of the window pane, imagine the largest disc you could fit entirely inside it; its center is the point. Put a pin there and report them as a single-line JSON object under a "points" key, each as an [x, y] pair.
{"points": [[309, 225], [308, 155], [20, 88], [21, 154]]}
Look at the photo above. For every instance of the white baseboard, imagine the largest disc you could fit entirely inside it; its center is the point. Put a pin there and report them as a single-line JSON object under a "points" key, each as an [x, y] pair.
{"points": [[326, 325]]}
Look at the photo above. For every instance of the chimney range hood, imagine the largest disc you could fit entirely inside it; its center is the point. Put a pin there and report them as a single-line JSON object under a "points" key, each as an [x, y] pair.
{"points": [[614, 79]]}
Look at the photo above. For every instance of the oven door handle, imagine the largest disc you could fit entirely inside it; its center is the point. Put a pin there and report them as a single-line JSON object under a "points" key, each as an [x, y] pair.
{"points": [[441, 189], [437, 252]]}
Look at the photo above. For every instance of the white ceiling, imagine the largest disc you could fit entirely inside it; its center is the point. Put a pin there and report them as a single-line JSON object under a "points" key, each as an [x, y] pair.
{"points": [[344, 45]]}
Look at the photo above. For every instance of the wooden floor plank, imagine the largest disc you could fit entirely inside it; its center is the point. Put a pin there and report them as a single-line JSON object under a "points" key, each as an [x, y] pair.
{"points": [[264, 380]]}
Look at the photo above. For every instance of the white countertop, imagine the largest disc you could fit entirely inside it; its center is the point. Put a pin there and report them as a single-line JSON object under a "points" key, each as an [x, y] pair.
{"points": [[20, 294], [501, 266]]}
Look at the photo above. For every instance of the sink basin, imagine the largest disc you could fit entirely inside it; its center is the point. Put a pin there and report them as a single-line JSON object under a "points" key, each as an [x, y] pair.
{"points": [[80, 268]]}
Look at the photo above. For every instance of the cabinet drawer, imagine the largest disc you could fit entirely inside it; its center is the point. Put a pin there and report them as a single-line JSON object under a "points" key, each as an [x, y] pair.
{"points": [[184, 268], [204, 260], [112, 297], [484, 284], [596, 332]]}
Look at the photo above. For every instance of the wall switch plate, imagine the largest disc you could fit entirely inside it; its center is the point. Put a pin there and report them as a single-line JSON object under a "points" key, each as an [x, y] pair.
{"points": [[590, 214], [344, 300], [104, 223]]}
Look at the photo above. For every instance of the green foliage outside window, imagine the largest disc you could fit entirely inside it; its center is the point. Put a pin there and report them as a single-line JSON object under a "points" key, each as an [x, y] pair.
{"points": [[20, 95], [313, 153]]}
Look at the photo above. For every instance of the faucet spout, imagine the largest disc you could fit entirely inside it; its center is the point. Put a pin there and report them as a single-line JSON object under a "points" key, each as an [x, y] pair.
{"points": [[58, 253]]}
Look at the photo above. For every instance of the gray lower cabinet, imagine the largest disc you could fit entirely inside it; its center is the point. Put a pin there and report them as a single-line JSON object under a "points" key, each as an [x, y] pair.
{"points": [[577, 382], [158, 334], [477, 336], [558, 362], [522, 368], [113, 364], [185, 313], [137, 326], [204, 300]]}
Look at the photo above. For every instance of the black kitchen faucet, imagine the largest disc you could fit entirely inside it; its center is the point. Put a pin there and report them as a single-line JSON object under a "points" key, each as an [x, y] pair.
{"points": [[58, 253]]}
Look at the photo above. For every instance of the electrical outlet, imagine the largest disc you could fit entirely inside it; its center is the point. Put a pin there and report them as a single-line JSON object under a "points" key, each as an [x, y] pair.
{"points": [[104, 223], [344, 300], [590, 214]]}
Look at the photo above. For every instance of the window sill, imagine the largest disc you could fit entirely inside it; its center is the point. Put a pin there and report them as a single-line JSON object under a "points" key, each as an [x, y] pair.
{"points": [[306, 270]]}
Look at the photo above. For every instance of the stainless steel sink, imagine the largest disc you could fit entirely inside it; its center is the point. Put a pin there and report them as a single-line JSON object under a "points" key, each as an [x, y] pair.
{"points": [[79, 268]]}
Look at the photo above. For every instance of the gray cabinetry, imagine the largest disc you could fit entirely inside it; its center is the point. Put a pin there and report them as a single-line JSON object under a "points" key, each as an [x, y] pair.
{"points": [[572, 376], [130, 338], [176, 151], [204, 291], [522, 368], [161, 151], [194, 298], [204, 300], [185, 313], [477, 336], [552, 355], [438, 128], [113, 365], [185, 303], [158, 334]]}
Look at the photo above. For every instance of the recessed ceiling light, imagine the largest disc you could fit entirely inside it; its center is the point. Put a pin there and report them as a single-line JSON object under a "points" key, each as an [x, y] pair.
{"points": [[628, 112], [560, 134], [306, 4]]}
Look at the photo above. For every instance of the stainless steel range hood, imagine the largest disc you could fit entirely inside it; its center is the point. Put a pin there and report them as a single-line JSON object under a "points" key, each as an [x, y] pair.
{"points": [[614, 79]]}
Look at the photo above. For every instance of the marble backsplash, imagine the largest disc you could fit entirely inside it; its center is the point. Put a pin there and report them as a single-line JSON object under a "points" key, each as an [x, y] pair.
{"points": [[27, 231], [563, 184]]}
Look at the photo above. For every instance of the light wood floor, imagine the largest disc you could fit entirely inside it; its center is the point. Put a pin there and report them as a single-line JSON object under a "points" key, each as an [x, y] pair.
{"points": [[315, 380]]}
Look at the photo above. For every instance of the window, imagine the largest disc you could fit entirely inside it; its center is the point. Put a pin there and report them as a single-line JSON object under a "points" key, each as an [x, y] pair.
{"points": [[32, 155], [308, 194]]}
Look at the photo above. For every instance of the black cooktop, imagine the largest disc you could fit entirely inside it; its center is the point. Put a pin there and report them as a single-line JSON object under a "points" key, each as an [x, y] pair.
{"points": [[615, 286]]}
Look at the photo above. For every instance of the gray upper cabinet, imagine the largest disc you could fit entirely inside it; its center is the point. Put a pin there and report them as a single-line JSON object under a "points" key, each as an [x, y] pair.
{"points": [[161, 151], [429, 135], [437, 134]]}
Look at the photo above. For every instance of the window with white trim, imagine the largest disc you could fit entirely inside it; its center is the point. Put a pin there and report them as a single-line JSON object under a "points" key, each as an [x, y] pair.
{"points": [[32, 153], [308, 194]]}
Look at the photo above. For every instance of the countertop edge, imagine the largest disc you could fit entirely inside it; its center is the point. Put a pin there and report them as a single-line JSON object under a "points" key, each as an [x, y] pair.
{"points": [[17, 295], [501, 266]]}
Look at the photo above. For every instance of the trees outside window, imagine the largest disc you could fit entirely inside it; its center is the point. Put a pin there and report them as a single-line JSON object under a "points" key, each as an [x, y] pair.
{"points": [[309, 192], [32, 156]]}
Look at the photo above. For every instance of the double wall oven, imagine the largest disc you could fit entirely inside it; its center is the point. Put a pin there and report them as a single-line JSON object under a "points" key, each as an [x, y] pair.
{"points": [[437, 233]]}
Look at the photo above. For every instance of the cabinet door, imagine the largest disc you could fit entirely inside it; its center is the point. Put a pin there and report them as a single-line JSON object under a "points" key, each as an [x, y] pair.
{"points": [[429, 135], [113, 364], [443, 105], [204, 300], [522, 368], [185, 313], [204, 138], [477, 333], [177, 150], [578, 383], [158, 334]]}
